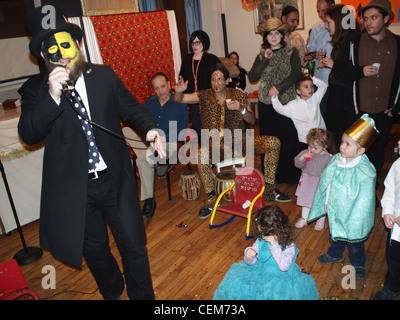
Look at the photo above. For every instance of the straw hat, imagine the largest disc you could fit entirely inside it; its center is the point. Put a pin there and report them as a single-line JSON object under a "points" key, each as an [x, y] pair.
{"points": [[273, 24], [382, 4], [363, 131]]}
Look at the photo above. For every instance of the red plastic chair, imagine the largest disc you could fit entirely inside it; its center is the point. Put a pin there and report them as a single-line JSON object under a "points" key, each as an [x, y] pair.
{"points": [[12, 282], [249, 185]]}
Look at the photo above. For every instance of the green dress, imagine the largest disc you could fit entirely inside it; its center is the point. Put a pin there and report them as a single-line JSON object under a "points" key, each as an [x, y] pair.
{"points": [[351, 198]]}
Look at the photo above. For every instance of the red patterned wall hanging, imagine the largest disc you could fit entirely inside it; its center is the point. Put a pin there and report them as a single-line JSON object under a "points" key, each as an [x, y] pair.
{"points": [[136, 46]]}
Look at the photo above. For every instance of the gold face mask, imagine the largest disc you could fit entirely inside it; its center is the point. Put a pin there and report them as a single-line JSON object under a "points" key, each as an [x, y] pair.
{"points": [[60, 49]]}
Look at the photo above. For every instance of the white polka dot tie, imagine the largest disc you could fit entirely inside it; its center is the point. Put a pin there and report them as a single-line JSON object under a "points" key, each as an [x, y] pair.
{"points": [[77, 102]]}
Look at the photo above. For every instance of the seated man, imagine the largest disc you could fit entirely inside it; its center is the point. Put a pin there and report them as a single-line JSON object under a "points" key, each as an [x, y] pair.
{"points": [[218, 116], [171, 118]]}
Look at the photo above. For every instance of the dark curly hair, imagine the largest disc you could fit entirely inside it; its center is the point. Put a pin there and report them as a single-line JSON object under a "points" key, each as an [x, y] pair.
{"points": [[271, 221]]}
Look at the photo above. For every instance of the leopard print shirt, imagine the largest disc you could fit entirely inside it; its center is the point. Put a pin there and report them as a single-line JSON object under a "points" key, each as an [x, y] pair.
{"points": [[215, 115]]}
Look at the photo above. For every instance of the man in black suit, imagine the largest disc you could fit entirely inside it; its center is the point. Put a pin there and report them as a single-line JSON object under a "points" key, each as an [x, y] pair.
{"points": [[78, 200]]}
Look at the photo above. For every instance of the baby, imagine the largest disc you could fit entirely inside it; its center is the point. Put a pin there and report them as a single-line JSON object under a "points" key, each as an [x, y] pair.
{"points": [[312, 162]]}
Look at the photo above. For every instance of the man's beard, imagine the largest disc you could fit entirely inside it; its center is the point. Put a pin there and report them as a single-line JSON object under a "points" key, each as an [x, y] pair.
{"points": [[75, 71], [378, 31]]}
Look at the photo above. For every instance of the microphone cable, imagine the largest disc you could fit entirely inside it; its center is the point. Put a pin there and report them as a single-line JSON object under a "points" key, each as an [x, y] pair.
{"points": [[67, 92]]}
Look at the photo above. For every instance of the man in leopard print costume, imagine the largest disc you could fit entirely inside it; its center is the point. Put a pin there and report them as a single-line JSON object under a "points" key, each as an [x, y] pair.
{"points": [[217, 116]]}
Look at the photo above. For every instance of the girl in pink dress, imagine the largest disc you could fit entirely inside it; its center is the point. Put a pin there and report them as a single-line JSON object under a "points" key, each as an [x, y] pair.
{"points": [[312, 162]]}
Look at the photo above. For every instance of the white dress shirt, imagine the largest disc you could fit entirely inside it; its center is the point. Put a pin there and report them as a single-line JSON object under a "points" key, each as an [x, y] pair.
{"points": [[305, 114], [80, 87], [390, 201]]}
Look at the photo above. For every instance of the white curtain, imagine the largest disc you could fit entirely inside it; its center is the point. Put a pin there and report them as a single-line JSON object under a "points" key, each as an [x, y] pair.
{"points": [[176, 49]]}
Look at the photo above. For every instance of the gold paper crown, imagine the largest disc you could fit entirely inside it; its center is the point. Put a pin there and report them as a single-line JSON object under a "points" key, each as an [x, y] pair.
{"points": [[363, 131]]}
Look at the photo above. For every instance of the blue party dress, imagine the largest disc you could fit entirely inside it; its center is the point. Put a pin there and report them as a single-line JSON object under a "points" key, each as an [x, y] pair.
{"points": [[264, 281]]}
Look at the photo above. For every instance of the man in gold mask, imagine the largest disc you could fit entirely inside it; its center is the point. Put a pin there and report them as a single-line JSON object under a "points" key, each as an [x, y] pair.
{"points": [[83, 191]]}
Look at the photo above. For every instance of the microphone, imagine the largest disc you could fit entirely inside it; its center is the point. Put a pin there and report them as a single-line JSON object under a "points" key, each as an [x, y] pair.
{"points": [[64, 85]]}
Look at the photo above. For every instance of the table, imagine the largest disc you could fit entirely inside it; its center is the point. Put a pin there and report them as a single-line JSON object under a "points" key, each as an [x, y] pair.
{"points": [[23, 169]]}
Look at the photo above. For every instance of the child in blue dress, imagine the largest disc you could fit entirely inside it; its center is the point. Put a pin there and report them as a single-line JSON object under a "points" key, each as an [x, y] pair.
{"points": [[268, 271]]}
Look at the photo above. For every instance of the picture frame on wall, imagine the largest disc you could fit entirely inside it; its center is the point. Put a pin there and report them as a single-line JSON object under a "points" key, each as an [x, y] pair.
{"points": [[103, 7], [273, 8]]}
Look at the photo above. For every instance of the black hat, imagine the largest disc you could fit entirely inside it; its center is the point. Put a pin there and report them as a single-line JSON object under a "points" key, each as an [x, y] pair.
{"points": [[40, 24], [385, 5]]}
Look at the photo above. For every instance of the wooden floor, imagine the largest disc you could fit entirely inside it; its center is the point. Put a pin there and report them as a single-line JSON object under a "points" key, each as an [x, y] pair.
{"points": [[188, 263]]}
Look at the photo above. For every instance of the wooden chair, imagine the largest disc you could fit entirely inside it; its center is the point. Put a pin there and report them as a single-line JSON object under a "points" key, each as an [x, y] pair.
{"points": [[248, 197], [13, 283]]}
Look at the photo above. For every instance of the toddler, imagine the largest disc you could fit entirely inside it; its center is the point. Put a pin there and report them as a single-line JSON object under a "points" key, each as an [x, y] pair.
{"points": [[312, 162], [268, 271], [346, 193]]}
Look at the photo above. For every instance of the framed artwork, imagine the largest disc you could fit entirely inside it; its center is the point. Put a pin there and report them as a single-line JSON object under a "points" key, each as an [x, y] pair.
{"points": [[273, 8], [395, 7], [104, 7]]}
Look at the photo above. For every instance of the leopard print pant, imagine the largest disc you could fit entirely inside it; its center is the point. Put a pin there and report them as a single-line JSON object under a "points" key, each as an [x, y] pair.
{"points": [[268, 145]]}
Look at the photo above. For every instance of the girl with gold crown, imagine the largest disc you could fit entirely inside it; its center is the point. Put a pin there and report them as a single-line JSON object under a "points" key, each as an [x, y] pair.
{"points": [[346, 194]]}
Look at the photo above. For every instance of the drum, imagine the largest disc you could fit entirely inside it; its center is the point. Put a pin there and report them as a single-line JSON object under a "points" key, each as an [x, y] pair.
{"points": [[223, 181], [189, 185]]}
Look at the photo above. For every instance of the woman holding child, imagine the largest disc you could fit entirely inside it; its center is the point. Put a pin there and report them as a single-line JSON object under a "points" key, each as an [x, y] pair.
{"points": [[278, 66]]}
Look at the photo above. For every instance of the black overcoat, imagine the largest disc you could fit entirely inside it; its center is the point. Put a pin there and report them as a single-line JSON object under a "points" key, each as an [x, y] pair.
{"points": [[65, 161]]}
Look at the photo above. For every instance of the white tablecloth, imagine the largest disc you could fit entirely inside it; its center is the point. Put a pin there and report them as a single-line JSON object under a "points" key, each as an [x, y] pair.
{"points": [[23, 169]]}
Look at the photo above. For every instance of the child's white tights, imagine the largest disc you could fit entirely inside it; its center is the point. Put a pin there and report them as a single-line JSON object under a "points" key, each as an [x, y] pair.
{"points": [[305, 211]]}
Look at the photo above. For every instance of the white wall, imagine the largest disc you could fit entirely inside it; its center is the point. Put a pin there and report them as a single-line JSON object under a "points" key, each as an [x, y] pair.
{"points": [[240, 29]]}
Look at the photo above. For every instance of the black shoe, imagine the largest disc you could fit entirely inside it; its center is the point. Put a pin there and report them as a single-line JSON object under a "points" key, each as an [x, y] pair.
{"points": [[361, 273], [205, 212], [385, 294], [148, 208], [208, 207], [162, 169], [282, 197], [326, 258]]}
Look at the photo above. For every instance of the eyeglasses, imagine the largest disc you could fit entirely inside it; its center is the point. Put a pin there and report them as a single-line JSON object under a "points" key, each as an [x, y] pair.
{"points": [[196, 43]]}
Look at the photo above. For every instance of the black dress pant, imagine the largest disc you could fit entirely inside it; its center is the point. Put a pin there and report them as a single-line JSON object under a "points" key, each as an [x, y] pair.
{"points": [[392, 280], [274, 124], [101, 208], [196, 120]]}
